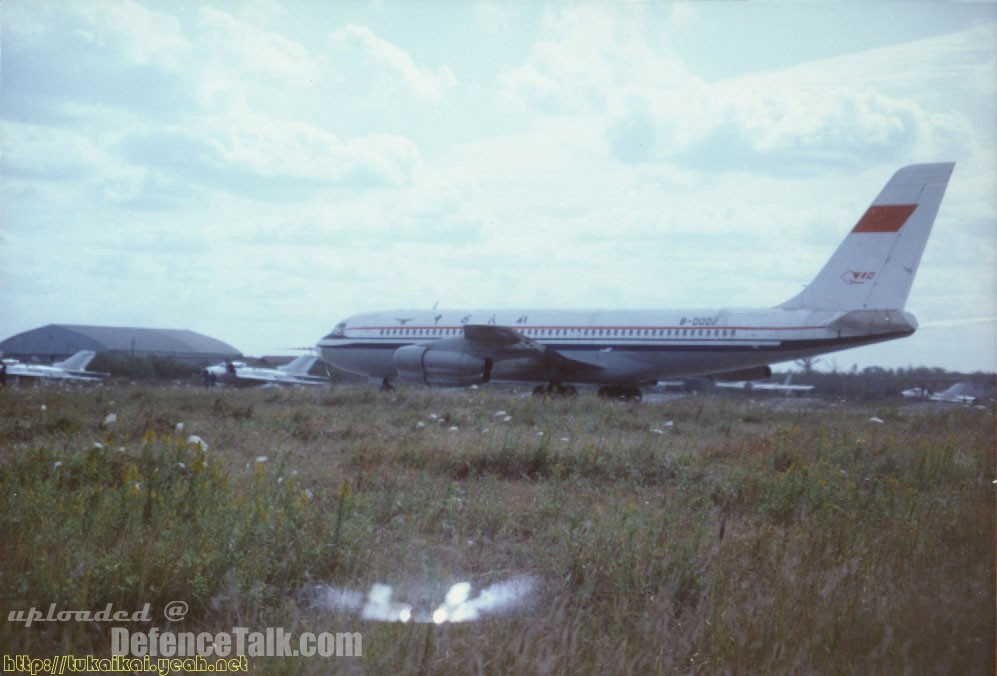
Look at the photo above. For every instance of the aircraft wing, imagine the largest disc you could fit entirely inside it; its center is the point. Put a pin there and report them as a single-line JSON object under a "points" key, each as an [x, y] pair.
{"points": [[760, 385], [501, 335], [282, 380], [302, 380], [506, 344], [776, 387], [750, 386]]}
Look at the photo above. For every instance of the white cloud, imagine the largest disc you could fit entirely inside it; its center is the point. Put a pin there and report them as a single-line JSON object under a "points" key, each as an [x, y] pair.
{"points": [[145, 37], [272, 159], [568, 71], [253, 50], [47, 153], [385, 66], [493, 17], [592, 61], [834, 127]]}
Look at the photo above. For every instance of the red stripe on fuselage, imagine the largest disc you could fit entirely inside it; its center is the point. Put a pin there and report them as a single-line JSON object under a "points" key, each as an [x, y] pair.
{"points": [[885, 218], [564, 327]]}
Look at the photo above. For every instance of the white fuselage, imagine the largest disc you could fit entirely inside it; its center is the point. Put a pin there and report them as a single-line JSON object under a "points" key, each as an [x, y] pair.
{"points": [[625, 346], [239, 374], [16, 370]]}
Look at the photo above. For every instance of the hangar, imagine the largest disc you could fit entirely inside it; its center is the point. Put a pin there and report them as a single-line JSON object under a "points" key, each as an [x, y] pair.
{"points": [[58, 341]]}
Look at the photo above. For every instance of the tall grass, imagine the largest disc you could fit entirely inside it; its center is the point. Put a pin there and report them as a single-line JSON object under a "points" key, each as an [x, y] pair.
{"points": [[697, 536]]}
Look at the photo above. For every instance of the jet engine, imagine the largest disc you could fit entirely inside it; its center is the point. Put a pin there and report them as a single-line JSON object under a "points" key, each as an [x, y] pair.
{"points": [[440, 366]]}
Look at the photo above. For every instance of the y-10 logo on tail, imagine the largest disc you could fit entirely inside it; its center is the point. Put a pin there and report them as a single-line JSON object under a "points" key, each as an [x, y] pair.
{"points": [[857, 277]]}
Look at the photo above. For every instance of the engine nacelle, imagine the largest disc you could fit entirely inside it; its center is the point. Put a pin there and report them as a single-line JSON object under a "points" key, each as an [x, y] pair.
{"points": [[441, 367]]}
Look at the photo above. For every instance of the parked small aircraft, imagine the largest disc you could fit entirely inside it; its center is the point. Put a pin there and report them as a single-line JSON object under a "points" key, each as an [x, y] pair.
{"points": [[72, 369], [785, 386], [238, 373], [965, 393], [856, 299]]}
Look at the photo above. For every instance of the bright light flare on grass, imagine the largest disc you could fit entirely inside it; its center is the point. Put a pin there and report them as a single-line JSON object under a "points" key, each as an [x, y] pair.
{"points": [[380, 608], [458, 605]]}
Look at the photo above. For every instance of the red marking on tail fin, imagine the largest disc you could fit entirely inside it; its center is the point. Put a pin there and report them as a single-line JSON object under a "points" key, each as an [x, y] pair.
{"points": [[884, 218]]}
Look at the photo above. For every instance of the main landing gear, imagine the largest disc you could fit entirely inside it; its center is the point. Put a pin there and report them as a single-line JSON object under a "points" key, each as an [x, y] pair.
{"points": [[553, 390], [625, 392]]}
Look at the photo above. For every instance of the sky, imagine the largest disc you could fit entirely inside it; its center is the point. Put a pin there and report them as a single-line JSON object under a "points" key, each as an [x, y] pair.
{"points": [[257, 171]]}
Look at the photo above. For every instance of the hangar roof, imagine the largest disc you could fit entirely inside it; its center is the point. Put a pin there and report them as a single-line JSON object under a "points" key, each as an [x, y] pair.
{"points": [[69, 338]]}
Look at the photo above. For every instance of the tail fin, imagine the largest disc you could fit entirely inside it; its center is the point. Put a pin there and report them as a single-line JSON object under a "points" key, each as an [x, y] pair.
{"points": [[77, 362], [874, 267], [300, 366]]}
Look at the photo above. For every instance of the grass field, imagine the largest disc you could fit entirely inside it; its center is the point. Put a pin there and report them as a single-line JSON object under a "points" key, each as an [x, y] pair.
{"points": [[701, 535]]}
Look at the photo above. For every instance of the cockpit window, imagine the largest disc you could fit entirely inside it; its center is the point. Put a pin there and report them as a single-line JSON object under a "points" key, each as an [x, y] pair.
{"points": [[339, 331]]}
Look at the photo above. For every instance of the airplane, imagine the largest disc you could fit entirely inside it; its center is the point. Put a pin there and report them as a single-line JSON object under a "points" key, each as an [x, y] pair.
{"points": [[785, 386], [965, 393], [72, 369], [238, 373], [856, 299]]}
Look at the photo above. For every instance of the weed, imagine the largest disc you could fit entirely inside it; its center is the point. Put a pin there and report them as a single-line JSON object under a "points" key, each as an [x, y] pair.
{"points": [[755, 541]]}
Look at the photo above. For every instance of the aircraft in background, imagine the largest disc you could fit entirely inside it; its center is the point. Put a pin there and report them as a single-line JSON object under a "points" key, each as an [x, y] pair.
{"points": [[916, 393], [240, 374], [965, 393], [856, 299], [785, 386], [72, 369]]}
